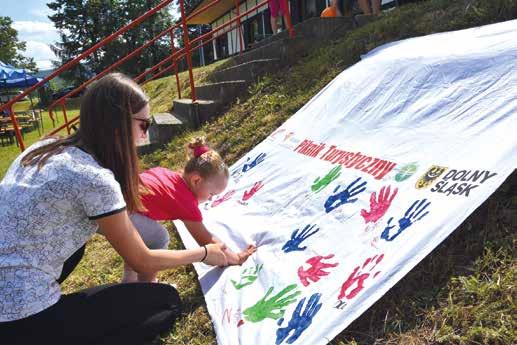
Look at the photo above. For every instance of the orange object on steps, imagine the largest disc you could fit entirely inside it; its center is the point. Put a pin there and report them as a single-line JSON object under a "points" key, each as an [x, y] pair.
{"points": [[329, 12]]}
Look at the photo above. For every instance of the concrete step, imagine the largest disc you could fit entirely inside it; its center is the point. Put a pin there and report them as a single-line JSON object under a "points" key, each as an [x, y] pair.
{"points": [[194, 114], [165, 126], [249, 71], [224, 92], [313, 28], [361, 19], [145, 146], [313, 32], [286, 51], [284, 35], [324, 29]]}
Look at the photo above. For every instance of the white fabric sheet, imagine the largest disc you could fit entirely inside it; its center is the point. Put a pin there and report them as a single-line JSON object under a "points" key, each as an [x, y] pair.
{"points": [[363, 182]]}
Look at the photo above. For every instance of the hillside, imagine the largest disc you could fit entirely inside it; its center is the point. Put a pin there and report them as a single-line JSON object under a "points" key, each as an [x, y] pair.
{"points": [[462, 293]]}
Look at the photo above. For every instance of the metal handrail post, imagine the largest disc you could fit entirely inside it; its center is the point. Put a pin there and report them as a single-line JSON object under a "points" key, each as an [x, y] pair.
{"points": [[186, 42], [65, 117], [174, 63], [17, 131], [239, 28], [287, 17]]}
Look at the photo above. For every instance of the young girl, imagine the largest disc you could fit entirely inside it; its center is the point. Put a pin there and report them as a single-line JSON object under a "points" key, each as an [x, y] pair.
{"points": [[171, 195]]}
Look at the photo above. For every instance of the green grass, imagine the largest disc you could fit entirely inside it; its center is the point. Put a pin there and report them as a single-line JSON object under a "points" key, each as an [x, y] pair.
{"points": [[462, 293], [162, 91], [9, 152]]}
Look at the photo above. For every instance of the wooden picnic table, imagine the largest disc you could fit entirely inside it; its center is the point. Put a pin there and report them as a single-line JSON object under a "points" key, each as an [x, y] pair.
{"points": [[18, 117], [7, 132], [25, 121]]}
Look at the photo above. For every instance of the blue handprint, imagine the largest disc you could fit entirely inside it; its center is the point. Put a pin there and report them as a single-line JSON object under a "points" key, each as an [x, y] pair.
{"points": [[409, 218], [296, 239], [344, 197], [259, 159], [299, 321]]}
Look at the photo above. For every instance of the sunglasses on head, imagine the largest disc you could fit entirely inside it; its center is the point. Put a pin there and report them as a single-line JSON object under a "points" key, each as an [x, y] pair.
{"points": [[144, 123]]}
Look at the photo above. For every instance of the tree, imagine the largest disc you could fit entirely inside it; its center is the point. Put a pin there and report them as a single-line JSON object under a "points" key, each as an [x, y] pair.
{"points": [[10, 47], [84, 23], [189, 5]]}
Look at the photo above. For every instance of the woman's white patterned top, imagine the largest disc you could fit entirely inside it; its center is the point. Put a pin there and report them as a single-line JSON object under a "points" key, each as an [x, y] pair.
{"points": [[45, 216]]}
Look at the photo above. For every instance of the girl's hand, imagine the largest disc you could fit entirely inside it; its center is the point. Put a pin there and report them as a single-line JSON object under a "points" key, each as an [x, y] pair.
{"points": [[215, 255], [239, 258], [232, 257], [245, 254]]}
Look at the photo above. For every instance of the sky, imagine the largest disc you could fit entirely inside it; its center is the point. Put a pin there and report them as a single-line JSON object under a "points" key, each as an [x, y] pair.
{"points": [[30, 19], [33, 26]]}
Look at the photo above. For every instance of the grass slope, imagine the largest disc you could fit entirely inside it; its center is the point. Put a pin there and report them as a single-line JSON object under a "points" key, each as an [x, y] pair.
{"points": [[162, 91], [462, 293]]}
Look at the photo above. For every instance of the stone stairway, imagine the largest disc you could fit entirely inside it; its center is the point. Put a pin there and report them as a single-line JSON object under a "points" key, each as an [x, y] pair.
{"points": [[231, 80], [164, 127]]}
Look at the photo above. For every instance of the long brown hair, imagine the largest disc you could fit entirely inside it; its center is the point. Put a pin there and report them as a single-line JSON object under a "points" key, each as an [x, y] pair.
{"points": [[105, 132]]}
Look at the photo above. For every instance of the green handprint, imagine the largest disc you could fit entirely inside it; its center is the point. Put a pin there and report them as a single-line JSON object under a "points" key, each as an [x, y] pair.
{"points": [[274, 308], [319, 184], [248, 277]]}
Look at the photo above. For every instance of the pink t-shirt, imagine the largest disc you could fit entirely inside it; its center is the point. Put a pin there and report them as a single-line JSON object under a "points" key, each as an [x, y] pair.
{"points": [[170, 198]]}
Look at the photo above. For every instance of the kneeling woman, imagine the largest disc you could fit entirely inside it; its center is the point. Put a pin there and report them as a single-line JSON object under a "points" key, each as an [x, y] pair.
{"points": [[54, 197]]}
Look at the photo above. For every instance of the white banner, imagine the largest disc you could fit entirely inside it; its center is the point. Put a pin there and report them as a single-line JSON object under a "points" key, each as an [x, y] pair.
{"points": [[363, 182]]}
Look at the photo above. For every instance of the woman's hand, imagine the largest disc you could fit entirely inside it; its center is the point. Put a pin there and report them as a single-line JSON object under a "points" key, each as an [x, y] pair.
{"points": [[215, 254], [122, 235]]}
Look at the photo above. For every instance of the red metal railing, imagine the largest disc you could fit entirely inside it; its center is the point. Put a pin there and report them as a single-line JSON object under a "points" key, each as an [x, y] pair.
{"points": [[202, 39], [174, 58]]}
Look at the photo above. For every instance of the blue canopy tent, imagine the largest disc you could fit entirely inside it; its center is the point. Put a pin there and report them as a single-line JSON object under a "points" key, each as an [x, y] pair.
{"points": [[16, 78], [11, 77]]}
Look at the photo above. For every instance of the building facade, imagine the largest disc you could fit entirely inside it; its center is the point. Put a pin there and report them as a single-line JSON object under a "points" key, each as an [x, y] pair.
{"points": [[255, 26]]}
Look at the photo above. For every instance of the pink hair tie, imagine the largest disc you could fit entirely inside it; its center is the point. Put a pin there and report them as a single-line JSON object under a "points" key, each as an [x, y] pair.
{"points": [[198, 151]]}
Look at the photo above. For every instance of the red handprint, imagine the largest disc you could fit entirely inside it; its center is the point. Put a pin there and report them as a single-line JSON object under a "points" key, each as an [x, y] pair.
{"points": [[316, 270], [378, 207], [222, 199], [256, 187], [357, 277]]}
